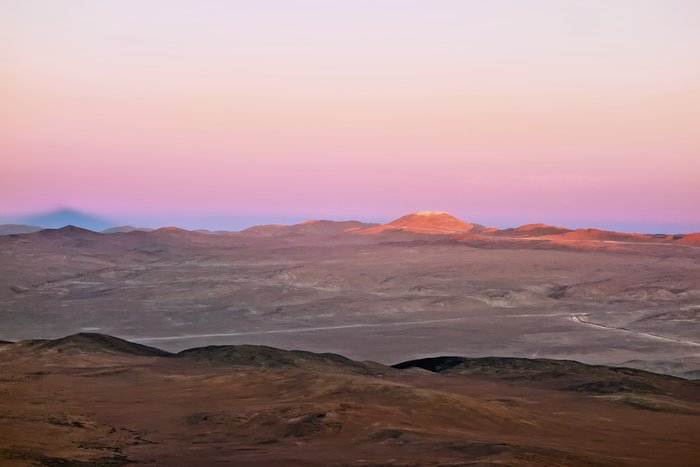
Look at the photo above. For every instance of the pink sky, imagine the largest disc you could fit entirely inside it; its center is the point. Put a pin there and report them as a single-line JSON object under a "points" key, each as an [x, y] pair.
{"points": [[575, 112]]}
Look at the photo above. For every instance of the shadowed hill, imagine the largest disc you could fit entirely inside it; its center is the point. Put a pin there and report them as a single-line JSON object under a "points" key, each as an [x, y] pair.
{"points": [[270, 357], [520, 368], [230, 355], [67, 231], [92, 343], [565, 375], [257, 405]]}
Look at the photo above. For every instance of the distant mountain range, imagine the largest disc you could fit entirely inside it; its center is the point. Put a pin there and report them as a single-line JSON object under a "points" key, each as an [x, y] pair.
{"points": [[125, 228], [418, 223]]}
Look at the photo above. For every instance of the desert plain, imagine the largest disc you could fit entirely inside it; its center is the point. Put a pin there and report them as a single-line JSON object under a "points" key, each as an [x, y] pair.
{"points": [[546, 302], [350, 288]]}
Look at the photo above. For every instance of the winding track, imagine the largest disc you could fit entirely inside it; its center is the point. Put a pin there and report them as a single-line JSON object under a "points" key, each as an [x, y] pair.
{"points": [[579, 319], [323, 328], [293, 330], [575, 318]]}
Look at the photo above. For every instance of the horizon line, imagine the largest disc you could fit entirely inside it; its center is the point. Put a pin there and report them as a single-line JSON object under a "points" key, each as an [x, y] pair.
{"points": [[240, 222]]}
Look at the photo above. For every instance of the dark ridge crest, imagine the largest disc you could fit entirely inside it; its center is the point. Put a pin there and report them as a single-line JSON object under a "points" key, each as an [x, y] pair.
{"points": [[93, 343], [67, 230], [270, 357]]}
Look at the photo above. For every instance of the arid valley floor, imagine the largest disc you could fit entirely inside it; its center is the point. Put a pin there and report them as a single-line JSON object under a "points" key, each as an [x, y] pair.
{"points": [[425, 285]]}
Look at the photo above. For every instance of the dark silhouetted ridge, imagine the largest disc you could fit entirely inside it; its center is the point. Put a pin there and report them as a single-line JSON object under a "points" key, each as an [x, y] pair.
{"points": [[95, 343], [564, 375], [450, 364], [68, 230], [270, 357], [514, 367]]}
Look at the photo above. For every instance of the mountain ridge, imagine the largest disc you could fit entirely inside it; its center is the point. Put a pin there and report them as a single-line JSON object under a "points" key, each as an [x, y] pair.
{"points": [[422, 222], [511, 368], [425, 222]]}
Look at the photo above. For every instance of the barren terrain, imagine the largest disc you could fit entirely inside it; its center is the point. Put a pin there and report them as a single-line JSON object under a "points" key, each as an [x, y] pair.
{"points": [[537, 291], [519, 307], [91, 399]]}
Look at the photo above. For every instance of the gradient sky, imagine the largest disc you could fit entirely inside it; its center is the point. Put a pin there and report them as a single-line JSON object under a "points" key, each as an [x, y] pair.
{"points": [[578, 112]]}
